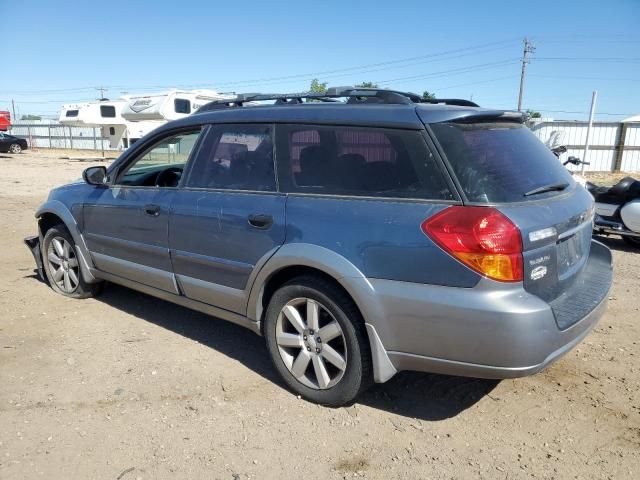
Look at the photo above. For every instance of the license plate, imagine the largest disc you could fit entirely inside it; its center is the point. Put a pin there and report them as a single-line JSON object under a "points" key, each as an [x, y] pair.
{"points": [[573, 249]]}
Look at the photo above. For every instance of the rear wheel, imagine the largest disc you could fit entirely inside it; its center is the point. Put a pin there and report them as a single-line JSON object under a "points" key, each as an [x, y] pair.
{"points": [[632, 241], [316, 338], [62, 265], [15, 148]]}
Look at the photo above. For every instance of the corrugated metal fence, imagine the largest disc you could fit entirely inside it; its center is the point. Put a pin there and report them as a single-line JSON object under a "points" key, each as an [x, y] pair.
{"points": [[50, 134], [613, 146]]}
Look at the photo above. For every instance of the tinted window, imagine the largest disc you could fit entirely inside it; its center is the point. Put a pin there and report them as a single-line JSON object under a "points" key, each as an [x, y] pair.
{"points": [[72, 113], [237, 157], [359, 161], [112, 130], [107, 111], [182, 106], [170, 154], [499, 162]]}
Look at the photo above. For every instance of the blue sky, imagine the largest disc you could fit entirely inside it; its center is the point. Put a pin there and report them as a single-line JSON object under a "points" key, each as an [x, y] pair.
{"points": [[60, 51]]}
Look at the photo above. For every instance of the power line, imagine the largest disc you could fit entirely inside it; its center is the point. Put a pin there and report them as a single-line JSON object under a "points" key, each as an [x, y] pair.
{"points": [[455, 71], [586, 78], [590, 59], [472, 50], [474, 83]]}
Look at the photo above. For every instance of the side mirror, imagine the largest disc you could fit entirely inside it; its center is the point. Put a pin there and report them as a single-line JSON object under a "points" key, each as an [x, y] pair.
{"points": [[95, 175]]}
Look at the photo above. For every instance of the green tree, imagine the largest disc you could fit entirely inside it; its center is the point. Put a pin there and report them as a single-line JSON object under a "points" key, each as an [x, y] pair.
{"points": [[427, 95], [317, 86], [31, 117], [367, 85], [533, 113]]}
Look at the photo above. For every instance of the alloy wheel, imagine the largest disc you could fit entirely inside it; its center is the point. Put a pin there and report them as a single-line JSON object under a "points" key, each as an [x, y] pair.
{"points": [[63, 264], [15, 148], [311, 343]]}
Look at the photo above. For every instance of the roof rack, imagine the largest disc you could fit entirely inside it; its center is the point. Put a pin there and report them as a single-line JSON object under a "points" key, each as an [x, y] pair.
{"points": [[353, 94]]}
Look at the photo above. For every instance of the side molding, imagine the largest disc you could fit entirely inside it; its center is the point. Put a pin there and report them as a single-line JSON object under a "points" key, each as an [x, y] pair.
{"points": [[59, 209]]}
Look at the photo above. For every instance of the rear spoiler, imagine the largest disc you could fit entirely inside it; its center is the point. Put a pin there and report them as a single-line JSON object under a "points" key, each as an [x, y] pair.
{"points": [[492, 115]]}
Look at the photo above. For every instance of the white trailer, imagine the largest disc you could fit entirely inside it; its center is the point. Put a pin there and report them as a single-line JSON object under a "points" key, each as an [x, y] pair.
{"points": [[170, 105], [125, 120], [107, 115]]}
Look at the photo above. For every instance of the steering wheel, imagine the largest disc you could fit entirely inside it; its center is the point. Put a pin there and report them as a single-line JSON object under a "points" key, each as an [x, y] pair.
{"points": [[169, 177]]}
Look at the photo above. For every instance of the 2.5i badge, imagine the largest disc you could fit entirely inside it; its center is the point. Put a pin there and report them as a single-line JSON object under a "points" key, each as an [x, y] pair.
{"points": [[538, 272]]}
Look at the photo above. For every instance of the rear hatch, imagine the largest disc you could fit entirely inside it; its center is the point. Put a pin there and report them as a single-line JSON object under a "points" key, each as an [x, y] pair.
{"points": [[504, 165]]}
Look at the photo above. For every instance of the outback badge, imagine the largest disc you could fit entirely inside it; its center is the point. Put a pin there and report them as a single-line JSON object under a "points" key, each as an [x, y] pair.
{"points": [[538, 272]]}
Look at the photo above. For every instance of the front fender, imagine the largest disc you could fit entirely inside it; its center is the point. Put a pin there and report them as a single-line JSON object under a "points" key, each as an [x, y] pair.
{"points": [[59, 209]]}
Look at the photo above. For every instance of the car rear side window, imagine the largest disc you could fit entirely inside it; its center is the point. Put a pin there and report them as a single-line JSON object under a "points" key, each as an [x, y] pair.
{"points": [[235, 157], [358, 161], [500, 162]]}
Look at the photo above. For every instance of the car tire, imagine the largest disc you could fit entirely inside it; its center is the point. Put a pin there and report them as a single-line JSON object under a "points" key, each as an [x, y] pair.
{"points": [[329, 365], [62, 265], [15, 148], [632, 241]]}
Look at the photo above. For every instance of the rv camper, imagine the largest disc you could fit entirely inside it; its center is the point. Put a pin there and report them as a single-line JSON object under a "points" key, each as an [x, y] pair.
{"points": [[107, 115], [167, 106]]}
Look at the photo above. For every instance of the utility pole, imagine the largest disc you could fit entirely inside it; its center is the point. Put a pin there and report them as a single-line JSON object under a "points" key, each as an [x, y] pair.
{"points": [[594, 97], [13, 107], [528, 49], [101, 90]]}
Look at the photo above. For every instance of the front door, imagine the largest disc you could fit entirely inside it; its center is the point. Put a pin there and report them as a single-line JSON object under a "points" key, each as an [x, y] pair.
{"points": [[228, 219], [126, 225]]}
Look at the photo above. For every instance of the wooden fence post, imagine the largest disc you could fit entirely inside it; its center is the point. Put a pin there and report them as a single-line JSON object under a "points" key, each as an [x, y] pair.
{"points": [[619, 147]]}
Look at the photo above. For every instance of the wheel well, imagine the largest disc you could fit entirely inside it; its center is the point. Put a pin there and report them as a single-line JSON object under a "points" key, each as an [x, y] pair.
{"points": [[282, 276], [48, 220]]}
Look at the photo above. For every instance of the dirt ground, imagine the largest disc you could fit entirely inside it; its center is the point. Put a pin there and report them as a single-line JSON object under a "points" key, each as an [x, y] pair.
{"points": [[128, 387]]}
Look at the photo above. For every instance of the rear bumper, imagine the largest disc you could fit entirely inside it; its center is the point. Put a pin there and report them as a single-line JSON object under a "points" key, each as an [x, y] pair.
{"points": [[407, 361], [493, 330]]}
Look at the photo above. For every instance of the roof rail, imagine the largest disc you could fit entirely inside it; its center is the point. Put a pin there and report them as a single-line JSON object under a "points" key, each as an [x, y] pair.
{"points": [[353, 94]]}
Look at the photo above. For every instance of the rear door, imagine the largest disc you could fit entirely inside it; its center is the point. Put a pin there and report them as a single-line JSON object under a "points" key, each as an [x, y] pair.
{"points": [[505, 165], [229, 218]]}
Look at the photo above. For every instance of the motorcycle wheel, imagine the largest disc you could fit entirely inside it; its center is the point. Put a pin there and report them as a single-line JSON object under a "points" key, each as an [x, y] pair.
{"points": [[632, 241]]}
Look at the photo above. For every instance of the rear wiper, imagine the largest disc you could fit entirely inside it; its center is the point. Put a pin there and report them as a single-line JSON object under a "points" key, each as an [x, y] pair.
{"points": [[547, 188]]}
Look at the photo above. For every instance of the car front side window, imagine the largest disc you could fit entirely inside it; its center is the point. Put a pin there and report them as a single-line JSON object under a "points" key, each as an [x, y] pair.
{"points": [[162, 164]]}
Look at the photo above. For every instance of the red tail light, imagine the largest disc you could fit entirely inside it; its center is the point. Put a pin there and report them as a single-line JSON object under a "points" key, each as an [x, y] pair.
{"points": [[480, 237]]}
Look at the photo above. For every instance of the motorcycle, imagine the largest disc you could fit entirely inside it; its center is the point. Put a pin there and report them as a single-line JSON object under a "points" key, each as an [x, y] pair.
{"points": [[559, 150], [617, 207]]}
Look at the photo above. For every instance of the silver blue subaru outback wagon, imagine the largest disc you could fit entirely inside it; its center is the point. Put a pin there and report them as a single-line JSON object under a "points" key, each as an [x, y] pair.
{"points": [[362, 232]]}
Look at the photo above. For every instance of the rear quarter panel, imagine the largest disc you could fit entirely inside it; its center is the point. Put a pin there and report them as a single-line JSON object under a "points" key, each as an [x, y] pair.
{"points": [[381, 238]]}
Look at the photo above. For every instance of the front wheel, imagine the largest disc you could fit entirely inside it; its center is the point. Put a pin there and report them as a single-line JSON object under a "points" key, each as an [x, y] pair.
{"points": [[317, 340], [62, 265], [15, 148], [632, 241]]}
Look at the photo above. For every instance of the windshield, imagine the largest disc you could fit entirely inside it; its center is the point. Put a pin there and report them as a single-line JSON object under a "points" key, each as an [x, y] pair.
{"points": [[501, 162]]}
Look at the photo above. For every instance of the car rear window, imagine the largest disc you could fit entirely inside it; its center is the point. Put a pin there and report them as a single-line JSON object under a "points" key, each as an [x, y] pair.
{"points": [[500, 162]]}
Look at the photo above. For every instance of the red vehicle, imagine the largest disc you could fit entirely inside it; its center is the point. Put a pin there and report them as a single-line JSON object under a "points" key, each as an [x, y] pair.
{"points": [[5, 120]]}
